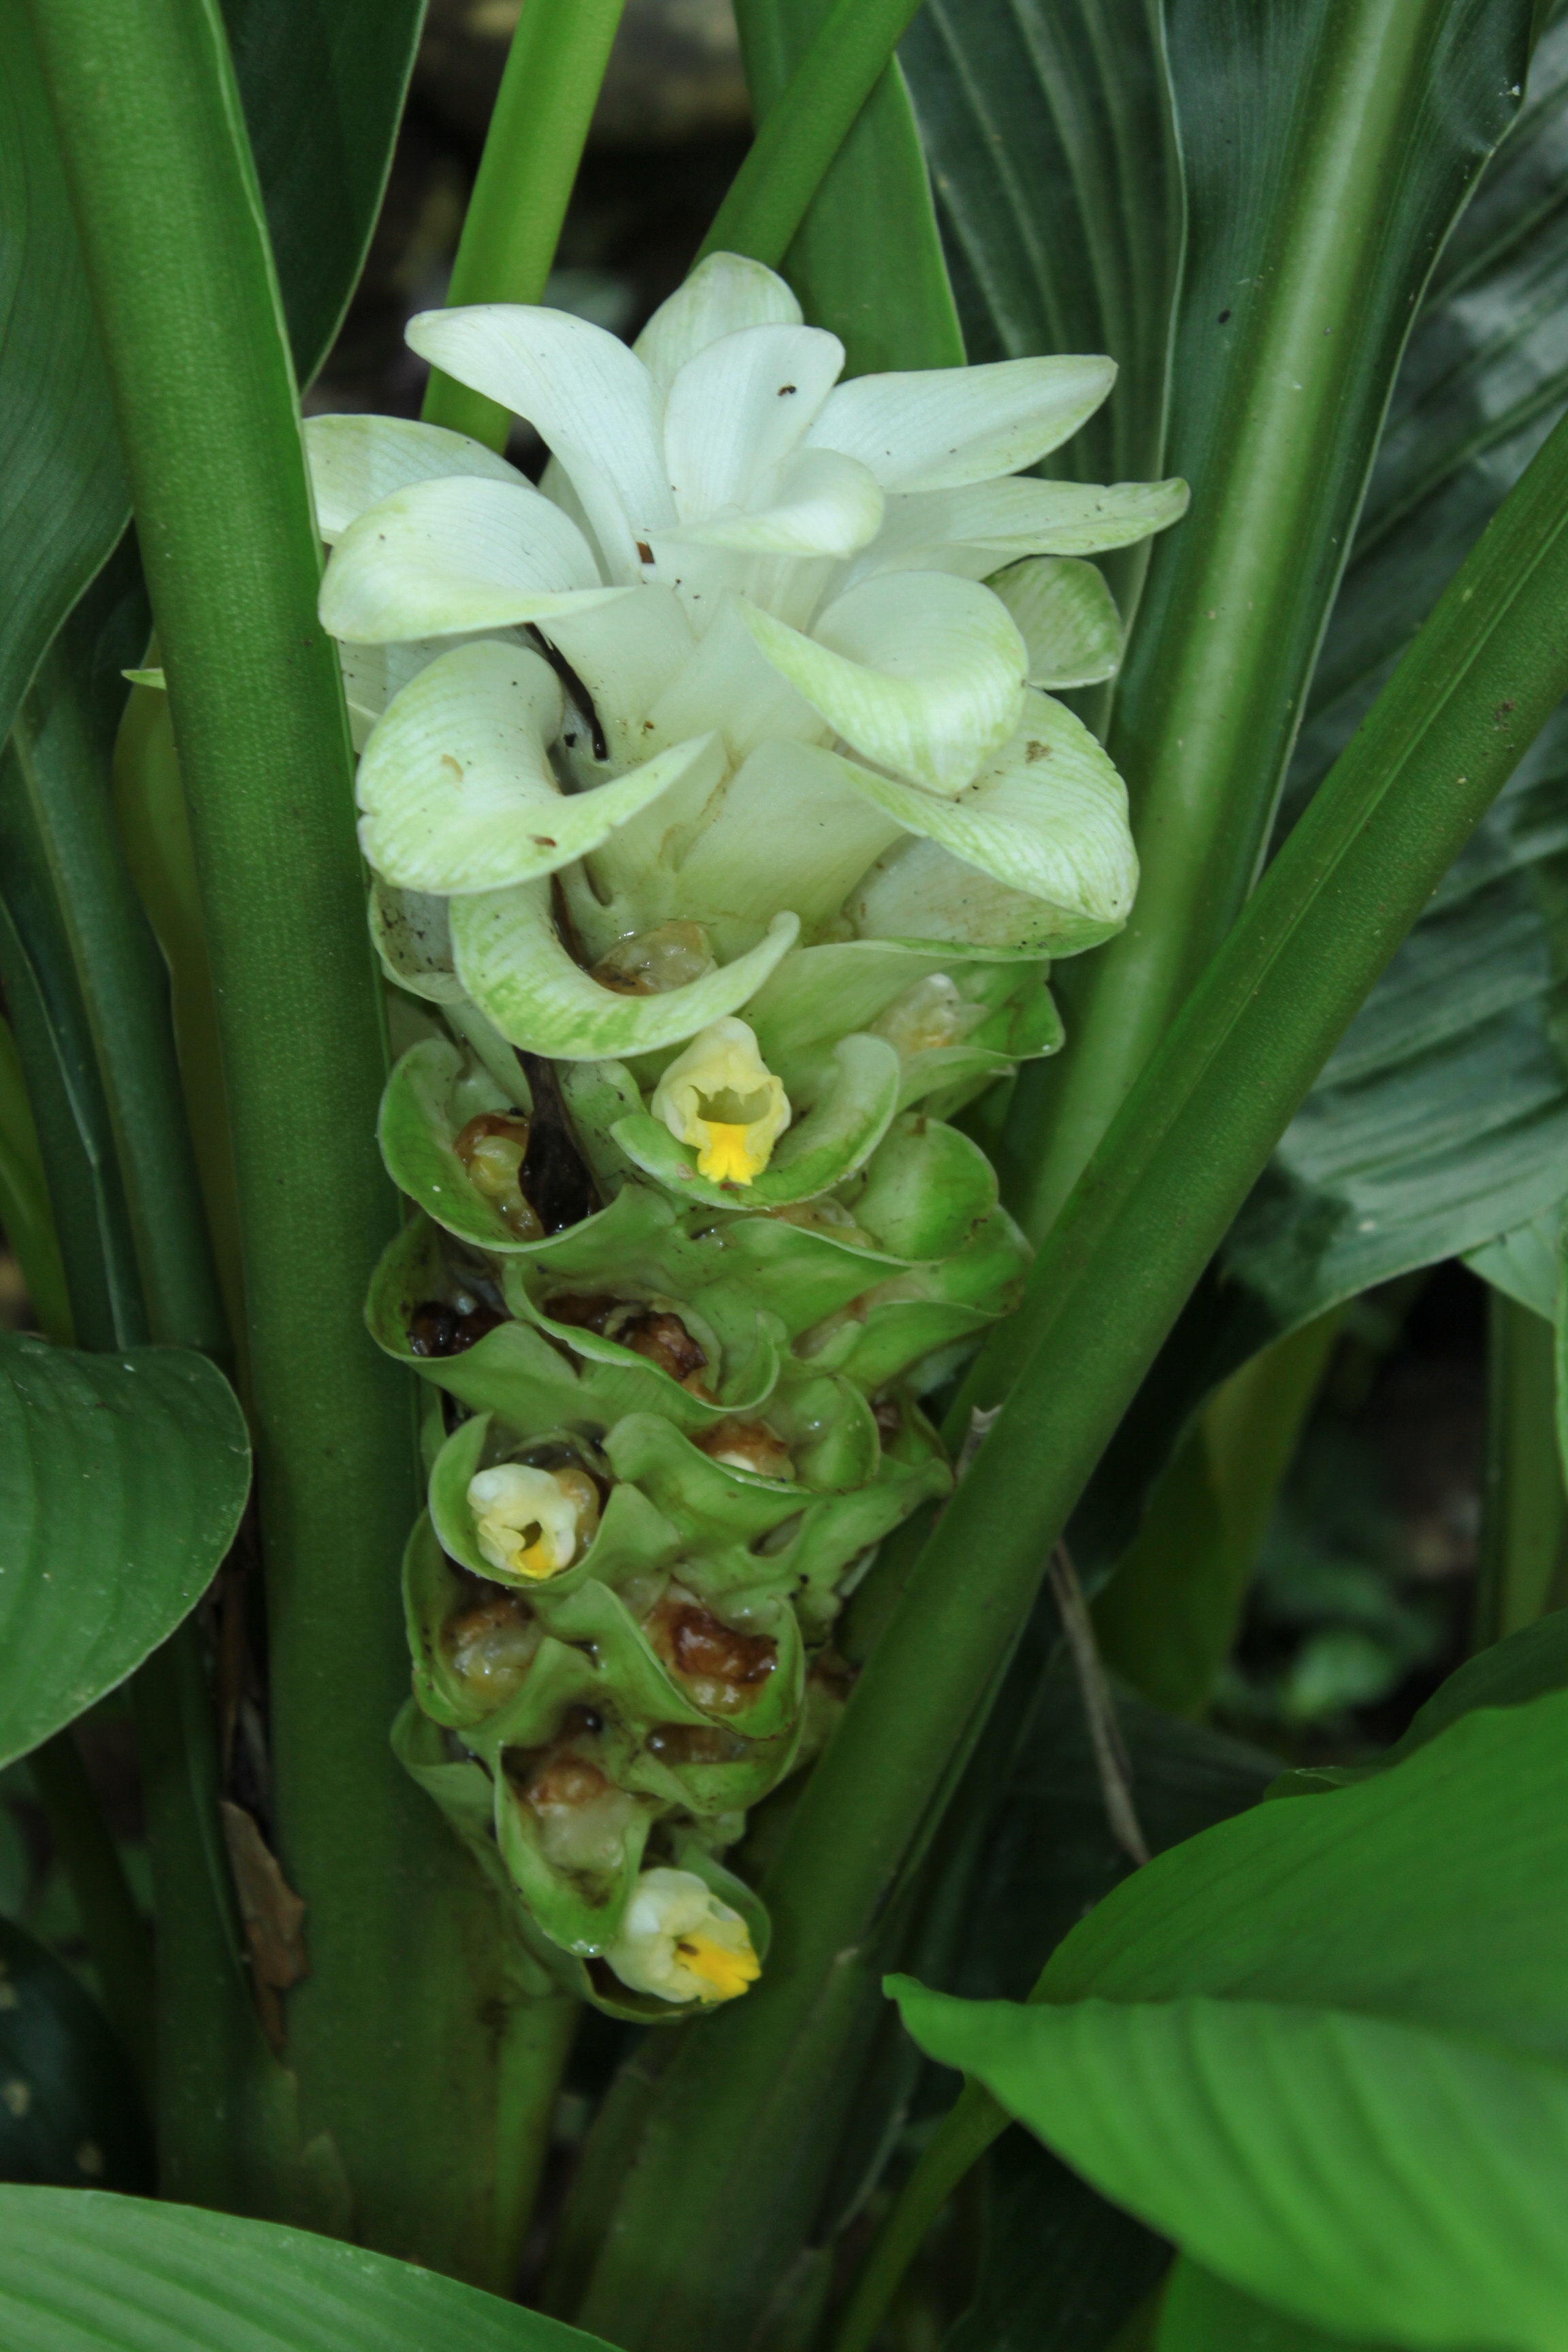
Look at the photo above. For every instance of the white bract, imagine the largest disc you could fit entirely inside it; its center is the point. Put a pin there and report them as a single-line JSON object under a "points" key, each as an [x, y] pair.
{"points": [[756, 671], [677, 1940]]}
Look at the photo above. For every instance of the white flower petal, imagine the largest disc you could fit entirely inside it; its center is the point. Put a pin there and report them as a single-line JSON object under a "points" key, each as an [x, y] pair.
{"points": [[727, 683], [934, 428], [510, 961], [1067, 617], [738, 409], [626, 654], [826, 505], [357, 461], [445, 557], [723, 294], [457, 787], [1048, 863], [977, 528], [413, 939], [787, 830], [584, 393], [921, 672]]}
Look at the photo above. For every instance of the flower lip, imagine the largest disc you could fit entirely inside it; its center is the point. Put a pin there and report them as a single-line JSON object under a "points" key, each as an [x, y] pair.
{"points": [[678, 1941], [720, 1097], [532, 1523]]}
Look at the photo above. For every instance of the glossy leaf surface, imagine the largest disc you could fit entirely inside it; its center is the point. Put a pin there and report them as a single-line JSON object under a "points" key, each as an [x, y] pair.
{"points": [[1201, 2314], [322, 91], [121, 1482], [1442, 1119], [1265, 2043], [66, 501], [127, 2276], [1053, 150]]}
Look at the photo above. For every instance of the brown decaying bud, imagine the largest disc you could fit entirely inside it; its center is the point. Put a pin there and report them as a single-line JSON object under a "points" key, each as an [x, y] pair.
{"points": [[655, 1333], [746, 1445], [442, 1328], [723, 1669]]}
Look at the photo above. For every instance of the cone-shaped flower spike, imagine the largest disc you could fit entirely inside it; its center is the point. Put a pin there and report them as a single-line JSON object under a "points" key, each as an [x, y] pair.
{"points": [[720, 815]]}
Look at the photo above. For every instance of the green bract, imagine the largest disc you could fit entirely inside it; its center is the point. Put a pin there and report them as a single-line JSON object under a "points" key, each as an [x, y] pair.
{"points": [[718, 817]]}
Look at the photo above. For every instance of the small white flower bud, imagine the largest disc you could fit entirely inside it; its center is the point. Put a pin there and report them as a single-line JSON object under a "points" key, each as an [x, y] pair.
{"points": [[530, 1522], [677, 1940]]}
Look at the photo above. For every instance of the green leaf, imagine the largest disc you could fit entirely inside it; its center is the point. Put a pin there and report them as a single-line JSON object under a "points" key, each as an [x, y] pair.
{"points": [[1441, 1120], [1053, 148], [1052, 1856], [1307, 2041], [1326, 150], [1523, 1264], [868, 261], [122, 1483], [65, 499], [1201, 2314], [127, 2276], [69, 2109], [1378, 2180], [323, 93]]}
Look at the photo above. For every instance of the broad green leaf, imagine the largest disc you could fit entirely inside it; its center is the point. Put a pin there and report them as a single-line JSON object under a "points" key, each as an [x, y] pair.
{"points": [[323, 93], [1441, 1120], [69, 2110], [1523, 1264], [25, 1215], [1053, 150], [1201, 2314], [125, 2276], [1435, 1893], [1528, 1666], [122, 1478], [1377, 2180]]}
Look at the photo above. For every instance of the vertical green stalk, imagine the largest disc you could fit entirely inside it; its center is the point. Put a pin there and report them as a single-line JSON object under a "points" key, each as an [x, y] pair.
{"points": [[532, 149], [802, 132], [24, 1199], [866, 262], [685, 2262], [398, 2040], [1524, 1532], [1290, 331]]}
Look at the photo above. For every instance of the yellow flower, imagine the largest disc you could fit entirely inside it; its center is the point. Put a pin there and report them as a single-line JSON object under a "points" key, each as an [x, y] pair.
{"points": [[720, 1095], [530, 1522], [677, 1940]]}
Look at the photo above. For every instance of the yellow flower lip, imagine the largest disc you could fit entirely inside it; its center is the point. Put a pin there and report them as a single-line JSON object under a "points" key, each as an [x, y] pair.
{"points": [[729, 1972], [719, 1096]]}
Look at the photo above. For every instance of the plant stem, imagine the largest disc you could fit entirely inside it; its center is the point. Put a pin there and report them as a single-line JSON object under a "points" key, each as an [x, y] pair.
{"points": [[1278, 440], [686, 2262], [958, 2142], [25, 1211], [63, 749], [866, 262], [397, 2040], [1524, 1535], [532, 149], [793, 150], [116, 1933]]}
